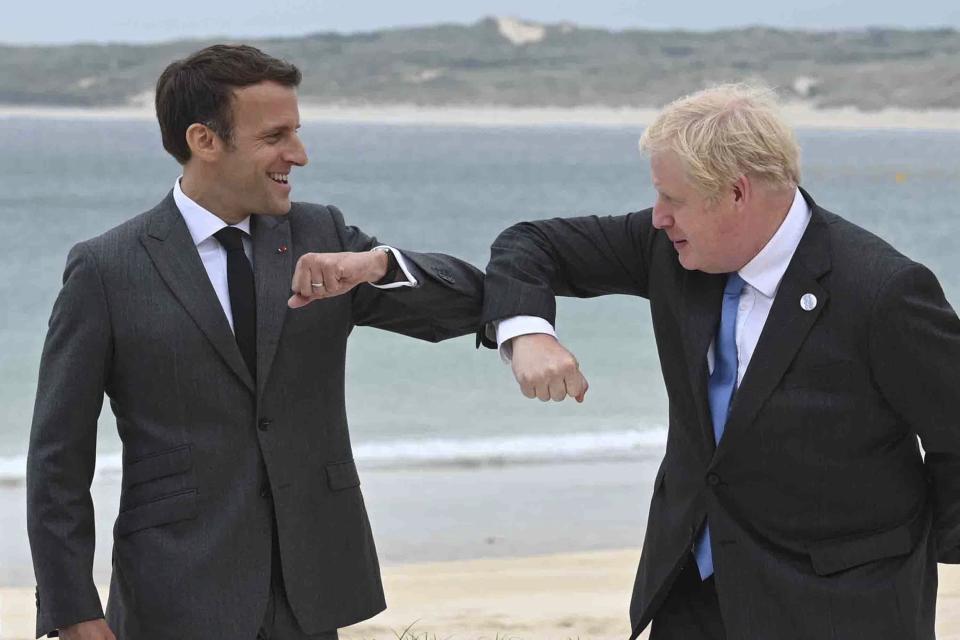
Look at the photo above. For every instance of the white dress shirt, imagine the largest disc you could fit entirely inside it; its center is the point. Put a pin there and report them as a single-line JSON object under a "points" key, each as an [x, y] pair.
{"points": [[762, 276], [202, 225]]}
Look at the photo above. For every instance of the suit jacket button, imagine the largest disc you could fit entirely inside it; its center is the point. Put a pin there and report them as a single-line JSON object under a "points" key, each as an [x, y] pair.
{"points": [[264, 424], [713, 479]]}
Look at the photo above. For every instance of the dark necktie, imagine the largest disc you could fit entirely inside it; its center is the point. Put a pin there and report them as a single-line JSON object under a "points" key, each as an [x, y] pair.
{"points": [[722, 384], [243, 301]]}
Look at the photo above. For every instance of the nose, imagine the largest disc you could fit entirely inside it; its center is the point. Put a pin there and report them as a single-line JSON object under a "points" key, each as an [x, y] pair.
{"points": [[296, 153], [661, 219]]}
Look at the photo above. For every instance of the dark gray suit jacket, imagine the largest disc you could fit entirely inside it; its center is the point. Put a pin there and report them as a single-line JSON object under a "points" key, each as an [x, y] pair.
{"points": [[208, 455], [826, 521]]}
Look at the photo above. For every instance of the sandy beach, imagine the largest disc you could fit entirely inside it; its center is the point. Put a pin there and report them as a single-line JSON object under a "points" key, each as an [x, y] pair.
{"points": [[575, 595], [799, 114]]}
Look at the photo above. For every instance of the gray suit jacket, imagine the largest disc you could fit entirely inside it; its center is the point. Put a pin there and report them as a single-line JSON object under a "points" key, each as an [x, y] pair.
{"points": [[208, 454], [826, 522]]}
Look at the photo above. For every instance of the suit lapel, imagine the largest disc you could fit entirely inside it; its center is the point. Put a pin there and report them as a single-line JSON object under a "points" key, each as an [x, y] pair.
{"points": [[273, 269], [701, 304], [786, 327], [171, 248]]}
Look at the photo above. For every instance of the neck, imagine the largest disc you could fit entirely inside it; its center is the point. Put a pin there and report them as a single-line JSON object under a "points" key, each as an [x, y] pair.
{"points": [[204, 192], [772, 211]]}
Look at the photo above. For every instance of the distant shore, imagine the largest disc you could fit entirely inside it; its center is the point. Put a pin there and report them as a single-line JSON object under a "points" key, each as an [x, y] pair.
{"points": [[800, 115]]}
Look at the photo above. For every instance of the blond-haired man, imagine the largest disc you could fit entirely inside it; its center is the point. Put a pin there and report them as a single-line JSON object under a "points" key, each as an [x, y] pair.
{"points": [[802, 357]]}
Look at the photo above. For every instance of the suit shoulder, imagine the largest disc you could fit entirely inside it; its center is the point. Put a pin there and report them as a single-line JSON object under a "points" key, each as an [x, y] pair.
{"points": [[862, 253], [118, 239]]}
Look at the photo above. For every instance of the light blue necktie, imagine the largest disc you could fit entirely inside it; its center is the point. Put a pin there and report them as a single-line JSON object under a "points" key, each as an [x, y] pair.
{"points": [[723, 382]]}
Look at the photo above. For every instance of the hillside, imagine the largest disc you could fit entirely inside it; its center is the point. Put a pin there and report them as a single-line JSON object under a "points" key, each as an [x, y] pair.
{"points": [[500, 61]]}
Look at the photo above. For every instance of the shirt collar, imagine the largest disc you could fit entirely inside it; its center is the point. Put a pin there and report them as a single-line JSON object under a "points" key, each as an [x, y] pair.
{"points": [[201, 223], [766, 270]]}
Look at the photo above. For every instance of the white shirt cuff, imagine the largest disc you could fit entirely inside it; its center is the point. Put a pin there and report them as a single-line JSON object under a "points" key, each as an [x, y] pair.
{"points": [[519, 326], [401, 261]]}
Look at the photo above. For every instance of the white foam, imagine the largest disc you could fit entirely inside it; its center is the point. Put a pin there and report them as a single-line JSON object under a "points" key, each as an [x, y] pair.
{"points": [[509, 449], [520, 449], [13, 468]]}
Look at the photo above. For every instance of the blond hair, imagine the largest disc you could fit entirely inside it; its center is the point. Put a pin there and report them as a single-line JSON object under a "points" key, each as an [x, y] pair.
{"points": [[726, 132]]}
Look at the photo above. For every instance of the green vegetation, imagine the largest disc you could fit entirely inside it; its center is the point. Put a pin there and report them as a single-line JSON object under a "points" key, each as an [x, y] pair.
{"points": [[560, 65]]}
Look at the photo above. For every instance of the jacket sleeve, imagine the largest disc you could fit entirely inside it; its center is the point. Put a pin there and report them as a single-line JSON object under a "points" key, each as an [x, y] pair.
{"points": [[915, 357], [62, 452], [532, 262], [445, 303]]}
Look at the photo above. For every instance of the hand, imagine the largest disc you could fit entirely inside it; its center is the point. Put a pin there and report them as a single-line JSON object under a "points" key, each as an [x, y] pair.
{"points": [[545, 369], [89, 630], [325, 275]]}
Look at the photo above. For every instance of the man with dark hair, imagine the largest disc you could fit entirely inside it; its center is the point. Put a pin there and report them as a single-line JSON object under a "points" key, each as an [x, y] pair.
{"points": [[199, 89], [240, 509]]}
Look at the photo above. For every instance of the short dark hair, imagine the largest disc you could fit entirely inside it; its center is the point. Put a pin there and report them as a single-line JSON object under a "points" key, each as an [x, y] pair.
{"points": [[199, 89]]}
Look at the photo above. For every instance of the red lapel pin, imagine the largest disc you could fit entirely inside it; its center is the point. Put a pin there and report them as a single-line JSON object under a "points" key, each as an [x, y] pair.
{"points": [[282, 249]]}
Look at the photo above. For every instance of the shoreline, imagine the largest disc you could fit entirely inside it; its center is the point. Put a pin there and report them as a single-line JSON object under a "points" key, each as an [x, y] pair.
{"points": [[565, 595], [800, 115], [424, 454], [535, 520]]}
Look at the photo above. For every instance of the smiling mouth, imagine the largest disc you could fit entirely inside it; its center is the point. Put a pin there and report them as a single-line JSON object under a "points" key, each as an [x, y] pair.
{"points": [[280, 178]]}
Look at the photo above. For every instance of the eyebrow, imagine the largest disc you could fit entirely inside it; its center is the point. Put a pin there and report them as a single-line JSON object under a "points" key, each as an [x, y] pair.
{"points": [[278, 129]]}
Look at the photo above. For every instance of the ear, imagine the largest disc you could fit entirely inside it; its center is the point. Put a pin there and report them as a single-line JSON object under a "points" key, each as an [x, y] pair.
{"points": [[742, 191], [203, 142]]}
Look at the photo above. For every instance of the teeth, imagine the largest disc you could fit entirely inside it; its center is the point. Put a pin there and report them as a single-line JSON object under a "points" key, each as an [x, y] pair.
{"points": [[279, 177]]}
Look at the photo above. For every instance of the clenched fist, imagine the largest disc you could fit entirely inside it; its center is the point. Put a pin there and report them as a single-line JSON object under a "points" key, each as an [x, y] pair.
{"points": [[325, 275], [545, 369]]}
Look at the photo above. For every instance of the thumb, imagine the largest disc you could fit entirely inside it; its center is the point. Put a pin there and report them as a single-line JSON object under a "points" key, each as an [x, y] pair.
{"points": [[586, 387], [296, 301]]}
